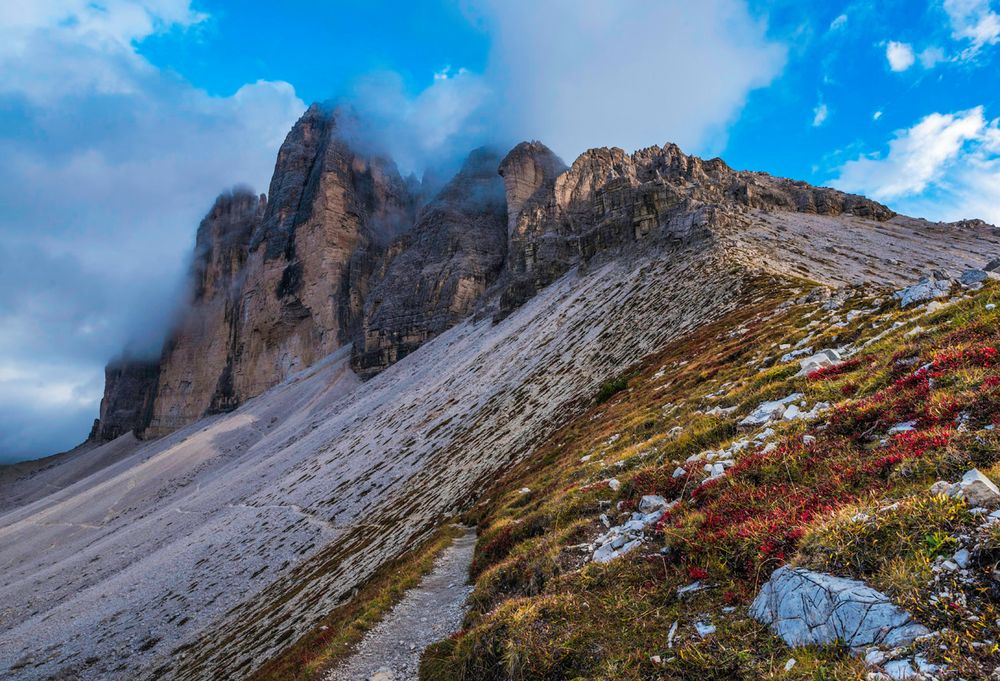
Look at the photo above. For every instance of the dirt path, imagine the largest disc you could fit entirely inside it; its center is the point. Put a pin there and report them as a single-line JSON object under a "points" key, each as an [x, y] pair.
{"points": [[428, 613]]}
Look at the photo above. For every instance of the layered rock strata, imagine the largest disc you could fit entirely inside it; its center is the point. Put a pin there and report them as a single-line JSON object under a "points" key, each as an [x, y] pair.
{"points": [[609, 199]]}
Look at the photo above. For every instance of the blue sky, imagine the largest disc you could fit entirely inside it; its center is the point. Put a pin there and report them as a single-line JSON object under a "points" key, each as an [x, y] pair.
{"points": [[120, 120]]}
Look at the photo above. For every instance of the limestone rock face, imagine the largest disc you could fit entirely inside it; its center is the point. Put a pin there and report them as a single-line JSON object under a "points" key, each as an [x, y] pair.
{"points": [[438, 271], [527, 168], [127, 405], [332, 212], [280, 283], [196, 370], [608, 199], [811, 608]]}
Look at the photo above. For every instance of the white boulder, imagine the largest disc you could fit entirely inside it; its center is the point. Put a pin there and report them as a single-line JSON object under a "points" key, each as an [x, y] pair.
{"points": [[811, 608], [769, 411], [821, 360], [928, 288]]}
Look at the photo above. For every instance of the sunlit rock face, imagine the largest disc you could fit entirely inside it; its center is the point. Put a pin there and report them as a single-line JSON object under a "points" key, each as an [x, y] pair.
{"points": [[276, 284]]}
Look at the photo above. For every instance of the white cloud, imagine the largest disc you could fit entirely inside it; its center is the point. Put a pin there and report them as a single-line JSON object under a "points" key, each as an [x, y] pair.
{"points": [[820, 114], [568, 87], [564, 88], [111, 163], [932, 56], [973, 21], [973, 26], [51, 48], [446, 119], [900, 56], [946, 166], [877, 115], [838, 23]]}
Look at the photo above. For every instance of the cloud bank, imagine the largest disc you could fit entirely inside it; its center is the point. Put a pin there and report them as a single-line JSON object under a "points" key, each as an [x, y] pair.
{"points": [[579, 74], [946, 166], [108, 166]]}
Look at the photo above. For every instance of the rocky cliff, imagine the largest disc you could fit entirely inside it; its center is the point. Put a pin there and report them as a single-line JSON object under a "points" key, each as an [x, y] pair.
{"points": [[440, 268], [609, 198], [129, 392], [345, 250], [196, 370], [275, 284]]}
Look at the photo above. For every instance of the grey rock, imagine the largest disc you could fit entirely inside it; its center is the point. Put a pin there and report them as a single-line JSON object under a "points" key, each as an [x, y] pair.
{"points": [[651, 502], [704, 629], [127, 405], [928, 288], [439, 270], [972, 277], [810, 608], [898, 670]]}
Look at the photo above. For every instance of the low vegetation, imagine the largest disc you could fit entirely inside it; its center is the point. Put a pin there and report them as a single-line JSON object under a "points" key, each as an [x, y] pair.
{"points": [[843, 490]]}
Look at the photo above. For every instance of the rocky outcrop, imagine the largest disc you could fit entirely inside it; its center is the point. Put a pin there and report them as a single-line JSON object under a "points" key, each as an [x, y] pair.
{"points": [[811, 608], [199, 357], [527, 168], [609, 198], [440, 269], [928, 288], [278, 284], [127, 405]]}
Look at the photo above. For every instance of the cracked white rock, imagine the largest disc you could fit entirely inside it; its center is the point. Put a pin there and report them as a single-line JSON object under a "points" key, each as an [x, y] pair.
{"points": [[769, 411], [651, 502], [899, 670], [811, 608], [823, 359], [927, 289]]}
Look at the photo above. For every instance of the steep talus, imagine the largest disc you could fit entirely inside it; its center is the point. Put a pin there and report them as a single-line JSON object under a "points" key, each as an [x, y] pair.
{"points": [[443, 266], [482, 320], [281, 507]]}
